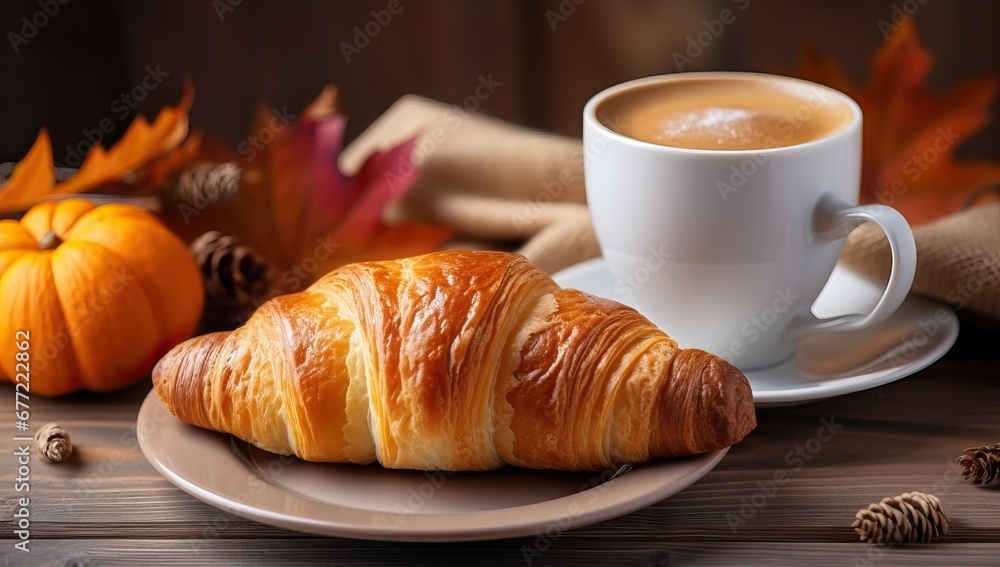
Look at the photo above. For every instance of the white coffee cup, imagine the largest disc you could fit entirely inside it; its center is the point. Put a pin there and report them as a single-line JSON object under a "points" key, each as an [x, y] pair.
{"points": [[727, 250]]}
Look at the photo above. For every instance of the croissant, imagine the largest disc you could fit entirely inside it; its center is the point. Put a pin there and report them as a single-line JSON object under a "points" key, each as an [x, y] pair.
{"points": [[455, 360]]}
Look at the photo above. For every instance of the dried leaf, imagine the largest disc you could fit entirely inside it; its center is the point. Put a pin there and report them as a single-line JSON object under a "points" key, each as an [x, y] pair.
{"points": [[32, 175], [910, 134], [295, 206], [33, 179]]}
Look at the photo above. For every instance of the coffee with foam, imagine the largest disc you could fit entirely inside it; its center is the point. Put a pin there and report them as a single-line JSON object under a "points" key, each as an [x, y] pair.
{"points": [[714, 114]]}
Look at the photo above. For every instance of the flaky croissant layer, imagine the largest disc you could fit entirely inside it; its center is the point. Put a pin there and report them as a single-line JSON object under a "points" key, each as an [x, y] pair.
{"points": [[455, 360]]}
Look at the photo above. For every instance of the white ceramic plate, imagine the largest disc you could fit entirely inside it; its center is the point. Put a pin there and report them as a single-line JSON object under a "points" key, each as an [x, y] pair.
{"points": [[371, 502], [830, 364]]}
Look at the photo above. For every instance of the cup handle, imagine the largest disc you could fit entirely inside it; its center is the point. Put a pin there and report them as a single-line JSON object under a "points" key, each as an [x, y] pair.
{"points": [[835, 219]]}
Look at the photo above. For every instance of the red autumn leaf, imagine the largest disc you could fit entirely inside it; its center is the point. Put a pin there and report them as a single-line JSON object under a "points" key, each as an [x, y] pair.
{"points": [[910, 134], [33, 179], [294, 205]]}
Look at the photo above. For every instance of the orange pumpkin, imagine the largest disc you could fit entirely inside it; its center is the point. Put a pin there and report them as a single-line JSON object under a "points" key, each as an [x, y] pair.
{"points": [[103, 292]]}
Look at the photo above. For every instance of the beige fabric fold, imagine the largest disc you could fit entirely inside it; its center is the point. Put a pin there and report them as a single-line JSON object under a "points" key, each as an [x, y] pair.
{"points": [[958, 258], [488, 179], [510, 186]]}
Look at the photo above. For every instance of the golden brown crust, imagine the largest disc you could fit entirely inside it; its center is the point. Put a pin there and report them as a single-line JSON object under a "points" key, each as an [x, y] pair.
{"points": [[179, 377], [458, 361], [715, 397]]}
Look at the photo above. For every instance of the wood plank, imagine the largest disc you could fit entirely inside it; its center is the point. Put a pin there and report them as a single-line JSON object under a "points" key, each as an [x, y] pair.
{"points": [[570, 551], [108, 505]]}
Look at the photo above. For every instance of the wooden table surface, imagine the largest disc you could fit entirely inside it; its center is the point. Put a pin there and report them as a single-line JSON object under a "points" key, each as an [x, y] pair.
{"points": [[108, 506]]}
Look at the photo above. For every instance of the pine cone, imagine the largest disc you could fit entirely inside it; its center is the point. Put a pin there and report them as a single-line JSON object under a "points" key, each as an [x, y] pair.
{"points": [[982, 464], [912, 517], [235, 275], [204, 184], [53, 443]]}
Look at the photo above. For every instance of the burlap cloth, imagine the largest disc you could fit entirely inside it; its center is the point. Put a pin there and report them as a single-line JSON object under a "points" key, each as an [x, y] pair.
{"points": [[506, 186]]}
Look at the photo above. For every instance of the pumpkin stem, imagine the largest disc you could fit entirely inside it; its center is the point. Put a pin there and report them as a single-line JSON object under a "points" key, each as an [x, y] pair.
{"points": [[49, 241]]}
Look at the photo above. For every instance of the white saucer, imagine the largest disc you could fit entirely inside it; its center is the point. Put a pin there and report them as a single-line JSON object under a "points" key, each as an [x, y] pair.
{"points": [[830, 364]]}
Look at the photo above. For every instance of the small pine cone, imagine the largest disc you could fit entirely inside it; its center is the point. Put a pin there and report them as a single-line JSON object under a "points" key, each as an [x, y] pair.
{"points": [[234, 274], [53, 443], [205, 184], [982, 464], [912, 517]]}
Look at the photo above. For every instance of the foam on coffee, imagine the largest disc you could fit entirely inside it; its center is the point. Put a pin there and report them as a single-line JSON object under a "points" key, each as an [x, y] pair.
{"points": [[714, 114]]}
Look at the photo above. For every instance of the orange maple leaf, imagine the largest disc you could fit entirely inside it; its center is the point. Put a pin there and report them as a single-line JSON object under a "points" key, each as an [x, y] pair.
{"points": [[33, 179], [910, 134]]}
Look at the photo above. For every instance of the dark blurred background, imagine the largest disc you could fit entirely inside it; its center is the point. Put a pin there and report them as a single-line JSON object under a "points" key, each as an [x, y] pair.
{"points": [[66, 64]]}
